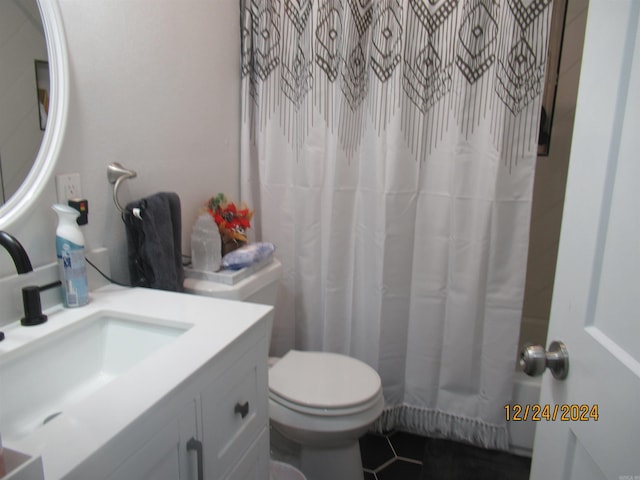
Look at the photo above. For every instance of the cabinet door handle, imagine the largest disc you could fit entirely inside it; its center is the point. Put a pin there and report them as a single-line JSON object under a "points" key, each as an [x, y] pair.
{"points": [[242, 409], [196, 445]]}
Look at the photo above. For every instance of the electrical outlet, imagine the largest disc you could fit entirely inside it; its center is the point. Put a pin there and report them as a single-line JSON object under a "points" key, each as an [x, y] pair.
{"points": [[68, 187]]}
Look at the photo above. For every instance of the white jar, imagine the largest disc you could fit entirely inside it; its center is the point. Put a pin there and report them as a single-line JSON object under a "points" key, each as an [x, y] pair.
{"points": [[206, 245]]}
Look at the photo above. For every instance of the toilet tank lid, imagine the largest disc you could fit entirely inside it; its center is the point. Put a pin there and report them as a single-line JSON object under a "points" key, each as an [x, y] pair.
{"points": [[323, 380]]}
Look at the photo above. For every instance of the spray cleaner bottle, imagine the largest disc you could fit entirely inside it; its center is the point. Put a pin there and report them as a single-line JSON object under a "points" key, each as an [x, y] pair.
{"points": [[71, 261]]}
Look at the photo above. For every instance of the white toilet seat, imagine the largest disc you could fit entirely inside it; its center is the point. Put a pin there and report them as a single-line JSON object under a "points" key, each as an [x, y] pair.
{"points": [[324, 384], [324, 412]]}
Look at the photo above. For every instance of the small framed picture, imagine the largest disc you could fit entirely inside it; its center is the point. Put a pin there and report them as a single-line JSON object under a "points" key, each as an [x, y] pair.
{"points": [[42, 84]]}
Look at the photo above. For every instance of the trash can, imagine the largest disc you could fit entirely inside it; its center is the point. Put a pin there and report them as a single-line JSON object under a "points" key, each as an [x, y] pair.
{"points": [[284, 471]]}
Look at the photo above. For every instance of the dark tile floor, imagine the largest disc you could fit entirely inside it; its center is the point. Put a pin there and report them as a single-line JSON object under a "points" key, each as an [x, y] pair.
{"points": [[405, 456]]}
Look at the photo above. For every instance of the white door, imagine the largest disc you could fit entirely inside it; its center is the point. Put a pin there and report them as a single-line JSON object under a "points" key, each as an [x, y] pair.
{"points": [[596, 302]]}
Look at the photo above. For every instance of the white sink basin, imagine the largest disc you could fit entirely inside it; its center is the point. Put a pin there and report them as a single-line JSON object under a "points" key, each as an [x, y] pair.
{"points": [[42, 378]]}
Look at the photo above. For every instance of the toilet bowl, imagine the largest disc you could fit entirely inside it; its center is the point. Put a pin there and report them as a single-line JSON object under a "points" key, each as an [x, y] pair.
{"points": [[323, 402]]}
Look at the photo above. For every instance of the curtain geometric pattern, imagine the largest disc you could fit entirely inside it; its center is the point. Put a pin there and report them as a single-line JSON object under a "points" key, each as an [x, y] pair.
{"points": [[439, 64]]}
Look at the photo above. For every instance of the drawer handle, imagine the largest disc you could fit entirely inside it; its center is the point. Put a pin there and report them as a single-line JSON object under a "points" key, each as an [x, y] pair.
{"points": [[243, 409], [196, 445]]}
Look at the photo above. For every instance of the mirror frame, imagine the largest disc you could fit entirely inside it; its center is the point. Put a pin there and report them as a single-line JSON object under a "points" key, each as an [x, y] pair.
{"points": [[19, 203]]}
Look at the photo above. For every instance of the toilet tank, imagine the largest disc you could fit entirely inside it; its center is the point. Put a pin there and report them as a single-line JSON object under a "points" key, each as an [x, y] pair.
{"points": [[256, 285]]}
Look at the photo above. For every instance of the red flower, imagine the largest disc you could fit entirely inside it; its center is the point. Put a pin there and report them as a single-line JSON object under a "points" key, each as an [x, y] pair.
{"points": [[231, 221]]}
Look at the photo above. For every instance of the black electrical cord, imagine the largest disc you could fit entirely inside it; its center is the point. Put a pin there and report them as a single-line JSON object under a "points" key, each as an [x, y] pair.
{"points": [[105, 276]]}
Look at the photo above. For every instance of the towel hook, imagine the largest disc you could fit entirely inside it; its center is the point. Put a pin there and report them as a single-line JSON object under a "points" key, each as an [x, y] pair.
{"points": [[117, 174]]}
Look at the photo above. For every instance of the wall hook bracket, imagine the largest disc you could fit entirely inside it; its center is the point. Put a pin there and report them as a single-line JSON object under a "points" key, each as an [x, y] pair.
{"points": [[116, 174]]}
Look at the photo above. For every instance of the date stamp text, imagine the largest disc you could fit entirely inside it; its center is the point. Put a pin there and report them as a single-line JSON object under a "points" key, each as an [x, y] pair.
{"points": [[564, 413]]}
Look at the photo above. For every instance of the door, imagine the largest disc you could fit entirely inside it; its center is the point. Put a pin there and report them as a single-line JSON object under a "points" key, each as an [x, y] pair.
{"points": [[234, 412], [166, 455], [595, 432]]}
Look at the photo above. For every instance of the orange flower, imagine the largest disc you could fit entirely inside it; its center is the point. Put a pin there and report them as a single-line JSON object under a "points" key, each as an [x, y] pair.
{"points": [[231, 221]]}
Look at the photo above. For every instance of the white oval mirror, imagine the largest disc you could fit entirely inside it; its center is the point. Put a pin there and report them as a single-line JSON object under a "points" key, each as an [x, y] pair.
{"points": [[40, 173]]}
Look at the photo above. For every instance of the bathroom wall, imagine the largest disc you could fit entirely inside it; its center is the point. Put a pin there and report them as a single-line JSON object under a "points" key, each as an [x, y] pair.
{"points": [[154, 86], [550, 181]]}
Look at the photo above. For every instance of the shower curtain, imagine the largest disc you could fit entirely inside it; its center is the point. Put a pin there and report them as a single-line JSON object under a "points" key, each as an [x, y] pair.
{"points": [[389, 148]]}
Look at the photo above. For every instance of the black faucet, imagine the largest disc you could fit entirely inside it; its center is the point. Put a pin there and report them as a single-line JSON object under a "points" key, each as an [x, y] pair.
{"points": [[31, 294], [17, 252]]}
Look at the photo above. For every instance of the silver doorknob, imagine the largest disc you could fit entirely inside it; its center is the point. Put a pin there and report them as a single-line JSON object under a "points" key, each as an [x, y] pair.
{"points": [[534, 360]]}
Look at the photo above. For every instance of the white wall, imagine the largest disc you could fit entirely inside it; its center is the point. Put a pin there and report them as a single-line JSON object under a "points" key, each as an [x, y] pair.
{"points": [[154, 86]]}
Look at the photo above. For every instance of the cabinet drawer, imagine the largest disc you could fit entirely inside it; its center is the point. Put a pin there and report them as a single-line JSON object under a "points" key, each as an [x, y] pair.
{"points": [[234, 411]]}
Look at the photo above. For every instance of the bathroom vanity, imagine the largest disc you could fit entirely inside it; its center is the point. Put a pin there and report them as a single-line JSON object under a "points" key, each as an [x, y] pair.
{"points": [[140, 384]]}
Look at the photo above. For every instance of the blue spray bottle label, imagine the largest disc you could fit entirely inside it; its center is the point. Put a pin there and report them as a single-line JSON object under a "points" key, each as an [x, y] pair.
{"points": [[73, 272]]}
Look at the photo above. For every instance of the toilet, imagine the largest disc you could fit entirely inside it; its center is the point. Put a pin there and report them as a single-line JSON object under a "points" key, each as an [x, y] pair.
{"points": [[322, 402]]}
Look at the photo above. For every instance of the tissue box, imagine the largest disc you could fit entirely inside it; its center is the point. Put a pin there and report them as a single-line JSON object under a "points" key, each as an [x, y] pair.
{"points": [[21, 467], [227, 277]]}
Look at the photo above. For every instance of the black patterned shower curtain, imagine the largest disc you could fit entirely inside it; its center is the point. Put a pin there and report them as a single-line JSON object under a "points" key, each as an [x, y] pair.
{"points": [[389, 148]]}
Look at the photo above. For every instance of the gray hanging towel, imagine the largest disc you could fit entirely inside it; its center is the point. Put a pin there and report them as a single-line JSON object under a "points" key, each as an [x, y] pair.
{"points": [[154, 242]]}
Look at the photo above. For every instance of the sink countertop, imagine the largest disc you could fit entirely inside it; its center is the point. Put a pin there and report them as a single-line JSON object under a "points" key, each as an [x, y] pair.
{"points": [[86, 427]]}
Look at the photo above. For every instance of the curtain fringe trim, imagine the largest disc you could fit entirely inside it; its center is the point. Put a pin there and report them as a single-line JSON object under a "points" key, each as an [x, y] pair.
{"points": [[438, 424]]}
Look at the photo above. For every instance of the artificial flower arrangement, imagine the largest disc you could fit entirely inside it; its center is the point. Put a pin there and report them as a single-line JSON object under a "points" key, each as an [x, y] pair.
{"points": [[233, 222]]}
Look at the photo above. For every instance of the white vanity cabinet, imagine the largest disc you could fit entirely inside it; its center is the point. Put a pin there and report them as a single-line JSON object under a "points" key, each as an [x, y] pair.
{"points": [[198, 400], [225, 418]]}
